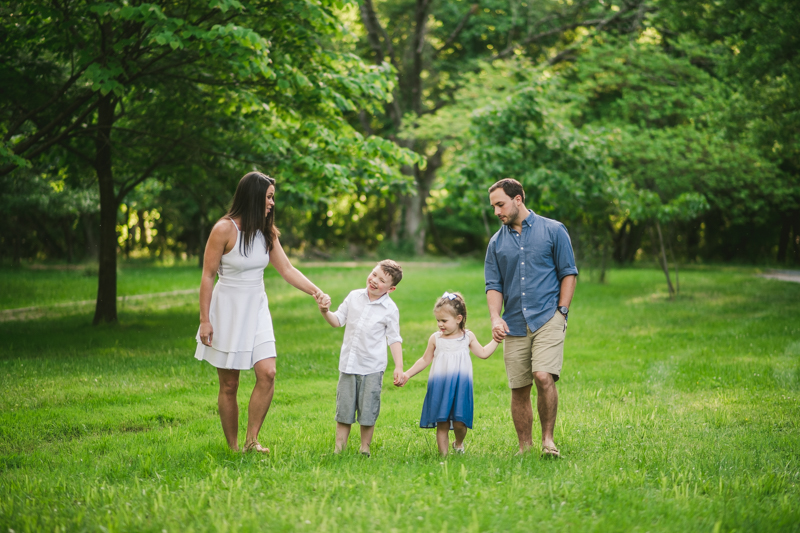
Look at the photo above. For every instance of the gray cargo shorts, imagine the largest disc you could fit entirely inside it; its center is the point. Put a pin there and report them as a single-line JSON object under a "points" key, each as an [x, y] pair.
{"points": [[360, 393]]}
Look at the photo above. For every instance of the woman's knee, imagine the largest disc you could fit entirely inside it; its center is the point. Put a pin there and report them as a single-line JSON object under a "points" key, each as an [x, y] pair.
{"points": [[228, 384], [266, 372]]}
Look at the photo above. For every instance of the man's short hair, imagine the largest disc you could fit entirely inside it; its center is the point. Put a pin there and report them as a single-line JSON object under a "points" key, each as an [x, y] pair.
{"points": [[511, 187], [392, 269]]}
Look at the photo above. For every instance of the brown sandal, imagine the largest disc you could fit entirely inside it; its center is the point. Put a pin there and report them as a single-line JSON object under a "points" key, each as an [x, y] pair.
{"points": [[550, 452], [255, 447]]}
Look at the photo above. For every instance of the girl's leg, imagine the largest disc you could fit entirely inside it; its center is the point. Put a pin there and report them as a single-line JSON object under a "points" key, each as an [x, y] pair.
{"points": [[443, 437], [460, 430], [228, 408], [261, 398]]}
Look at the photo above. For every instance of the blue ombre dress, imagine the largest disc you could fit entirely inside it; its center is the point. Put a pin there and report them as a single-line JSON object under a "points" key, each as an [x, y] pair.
{"points": [[449, 396]]}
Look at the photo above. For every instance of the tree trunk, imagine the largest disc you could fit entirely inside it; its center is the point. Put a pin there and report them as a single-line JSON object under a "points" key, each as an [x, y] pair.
{"points": [[414, 229], [783, 239], [603, 262], [663, 260], [106, 308], [437, 239], [91, 244], [201, 253], [415, 205], [16, 253], [674, 262], [67, 224]]}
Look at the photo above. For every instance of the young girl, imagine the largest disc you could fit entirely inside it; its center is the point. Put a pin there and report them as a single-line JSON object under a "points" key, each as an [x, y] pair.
{"points": [[448, 403]]}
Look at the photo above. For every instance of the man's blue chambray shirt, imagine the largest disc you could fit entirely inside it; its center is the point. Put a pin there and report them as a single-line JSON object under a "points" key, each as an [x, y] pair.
{"points": [[528, 268]]}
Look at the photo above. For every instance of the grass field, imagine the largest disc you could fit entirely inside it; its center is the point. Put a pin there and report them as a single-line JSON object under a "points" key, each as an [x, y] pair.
{"points": [[674, 416]]}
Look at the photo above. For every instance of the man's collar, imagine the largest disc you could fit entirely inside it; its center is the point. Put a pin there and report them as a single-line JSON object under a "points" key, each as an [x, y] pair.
{"points": [[529, 219]]}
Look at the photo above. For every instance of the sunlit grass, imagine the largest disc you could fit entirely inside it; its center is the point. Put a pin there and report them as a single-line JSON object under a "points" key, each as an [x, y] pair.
{"points": [[674, 416]]}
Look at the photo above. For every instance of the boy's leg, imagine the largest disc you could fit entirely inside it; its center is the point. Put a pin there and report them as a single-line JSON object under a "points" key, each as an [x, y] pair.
{"points": [[443, 437], [460, 431], [369, 406], [342, 433], [366, 438], [345, 409]]}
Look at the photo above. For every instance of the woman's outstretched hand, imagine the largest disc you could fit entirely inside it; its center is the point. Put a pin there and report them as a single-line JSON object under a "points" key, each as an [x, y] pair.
{"points": [[323, 301]]}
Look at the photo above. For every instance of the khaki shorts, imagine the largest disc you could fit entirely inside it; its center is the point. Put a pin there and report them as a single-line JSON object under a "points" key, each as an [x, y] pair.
{"points": [[539, 351]]}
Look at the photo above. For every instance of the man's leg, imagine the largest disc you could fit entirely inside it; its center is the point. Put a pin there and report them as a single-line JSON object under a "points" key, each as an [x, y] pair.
{"points": [[547, 404], [342, 433], [522, 414], [228, 407], [366, 438], [261, 398]]}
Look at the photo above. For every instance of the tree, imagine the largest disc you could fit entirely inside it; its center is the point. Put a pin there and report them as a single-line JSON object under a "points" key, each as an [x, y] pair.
{"points": [[144, 90], [434, 45]]}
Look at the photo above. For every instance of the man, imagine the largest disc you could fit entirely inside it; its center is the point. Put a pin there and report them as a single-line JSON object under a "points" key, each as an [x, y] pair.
{"points": [[530, 270]]}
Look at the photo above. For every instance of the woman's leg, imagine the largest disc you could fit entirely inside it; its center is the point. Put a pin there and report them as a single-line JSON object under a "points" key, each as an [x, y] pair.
{"points": [[460, 430], [228, 407], [261, 398], [443, 437]]}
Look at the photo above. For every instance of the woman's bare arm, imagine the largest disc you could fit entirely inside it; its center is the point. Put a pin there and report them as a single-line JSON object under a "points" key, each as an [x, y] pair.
{"points": [[220, 242], [294, 277]]}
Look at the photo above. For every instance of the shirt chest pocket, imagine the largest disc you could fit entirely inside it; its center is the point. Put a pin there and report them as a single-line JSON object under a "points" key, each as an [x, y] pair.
{"points": [[540, 253]]}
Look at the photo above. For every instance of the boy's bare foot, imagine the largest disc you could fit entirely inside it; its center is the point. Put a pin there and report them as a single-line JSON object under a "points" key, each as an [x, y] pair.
{"points": [[364, 452]]}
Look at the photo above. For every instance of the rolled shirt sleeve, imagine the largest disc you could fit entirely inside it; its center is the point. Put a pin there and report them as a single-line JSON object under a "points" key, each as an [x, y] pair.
{"points": [[491, 272], [563, 255], [393, 328]]}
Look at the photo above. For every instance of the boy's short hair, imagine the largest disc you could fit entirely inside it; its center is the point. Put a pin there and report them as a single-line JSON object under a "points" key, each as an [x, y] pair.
{"points": [[511, 187], [392, 269]]}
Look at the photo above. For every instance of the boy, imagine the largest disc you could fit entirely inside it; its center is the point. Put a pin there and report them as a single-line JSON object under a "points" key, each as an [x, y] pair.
{"points": [[371, 319]]}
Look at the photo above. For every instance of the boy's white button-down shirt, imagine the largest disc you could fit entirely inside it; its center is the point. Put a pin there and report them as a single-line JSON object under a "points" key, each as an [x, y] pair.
{"points": [[369, 328]]}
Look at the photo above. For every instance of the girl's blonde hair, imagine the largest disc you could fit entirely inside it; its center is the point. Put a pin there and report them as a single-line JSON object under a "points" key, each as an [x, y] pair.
{"points": [[456, 303]]}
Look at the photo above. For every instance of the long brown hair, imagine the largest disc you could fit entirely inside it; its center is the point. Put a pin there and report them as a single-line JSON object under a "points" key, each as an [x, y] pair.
{"points": [[249, 205]]}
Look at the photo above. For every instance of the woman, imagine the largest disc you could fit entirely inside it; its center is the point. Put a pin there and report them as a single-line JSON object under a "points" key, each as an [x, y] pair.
{"points": [[235, 324]]}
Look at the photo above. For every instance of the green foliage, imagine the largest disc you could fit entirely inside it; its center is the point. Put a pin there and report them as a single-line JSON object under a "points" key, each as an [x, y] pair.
{"points": [[673, 416]]}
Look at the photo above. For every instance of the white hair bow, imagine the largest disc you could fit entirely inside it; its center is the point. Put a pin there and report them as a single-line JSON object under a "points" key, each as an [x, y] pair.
{"points": [[448, 295]]}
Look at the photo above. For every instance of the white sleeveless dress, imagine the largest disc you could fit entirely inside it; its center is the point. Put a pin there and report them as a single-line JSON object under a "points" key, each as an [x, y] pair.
{"points": [[239, 311], [449, 396]]}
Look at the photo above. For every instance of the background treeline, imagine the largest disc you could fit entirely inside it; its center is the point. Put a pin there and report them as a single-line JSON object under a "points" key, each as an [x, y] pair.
{"points": [[665, 129]]}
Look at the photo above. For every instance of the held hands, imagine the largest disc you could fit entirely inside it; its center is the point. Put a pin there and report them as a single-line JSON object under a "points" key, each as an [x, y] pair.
{"points": [[499, 329], [400, 377], [206, 333], [323, 301]]}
